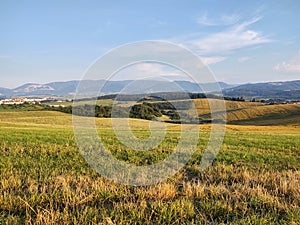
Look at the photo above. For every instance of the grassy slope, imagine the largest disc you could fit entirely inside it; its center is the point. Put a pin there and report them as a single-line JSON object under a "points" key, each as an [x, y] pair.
{"points": [[45, 180], [203, 105], [248, 113], [267, 115]]}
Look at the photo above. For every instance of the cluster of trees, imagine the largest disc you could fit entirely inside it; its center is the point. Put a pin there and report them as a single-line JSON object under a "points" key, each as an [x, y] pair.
{"points": [[176, 105], [21, 107], [142, 111], [237, 99], [160, 96], [176, 111], [86, 110], [145, 111], [172, 114]]}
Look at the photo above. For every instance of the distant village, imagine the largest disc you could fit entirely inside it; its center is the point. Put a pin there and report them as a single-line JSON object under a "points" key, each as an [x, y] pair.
{"points": [[40, 100], [32, 100]]}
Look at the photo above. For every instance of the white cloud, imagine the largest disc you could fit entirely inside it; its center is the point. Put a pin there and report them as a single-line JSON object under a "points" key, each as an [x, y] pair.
{"points": [[148, 67], [237, 37], [156, 69], [224, 20], [147, 70], [212, 60], [293, 65]]}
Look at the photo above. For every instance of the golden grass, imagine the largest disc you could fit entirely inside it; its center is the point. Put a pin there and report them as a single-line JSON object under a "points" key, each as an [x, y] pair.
{"points": [[218, 193], [248, 113], [203, 105], [273, 111], [44, 179]]}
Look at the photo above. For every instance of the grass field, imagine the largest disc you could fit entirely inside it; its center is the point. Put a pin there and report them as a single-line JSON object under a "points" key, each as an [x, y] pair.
{"points": [[45, 180]]}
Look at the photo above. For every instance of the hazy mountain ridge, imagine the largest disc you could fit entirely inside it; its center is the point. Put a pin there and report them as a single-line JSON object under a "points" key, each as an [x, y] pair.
{"points": [[283, 90], [110, 87], [5, 92]]}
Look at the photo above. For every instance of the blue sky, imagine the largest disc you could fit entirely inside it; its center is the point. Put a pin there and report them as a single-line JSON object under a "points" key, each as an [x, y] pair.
{"points": [[241, 41]]}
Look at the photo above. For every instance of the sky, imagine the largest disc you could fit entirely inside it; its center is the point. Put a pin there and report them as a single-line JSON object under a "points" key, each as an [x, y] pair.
{"points": [[240, 41]]}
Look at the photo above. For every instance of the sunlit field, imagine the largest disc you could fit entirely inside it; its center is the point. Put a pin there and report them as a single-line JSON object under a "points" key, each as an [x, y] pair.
{"points": [[45, 180]]}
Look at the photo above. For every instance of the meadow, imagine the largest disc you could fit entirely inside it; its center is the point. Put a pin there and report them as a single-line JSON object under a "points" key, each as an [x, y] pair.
{"points": [[45, 180]]}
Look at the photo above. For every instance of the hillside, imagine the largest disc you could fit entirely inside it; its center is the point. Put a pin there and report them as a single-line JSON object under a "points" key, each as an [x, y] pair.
{"points": [[266, 115], [203, 108], [251, 114]]}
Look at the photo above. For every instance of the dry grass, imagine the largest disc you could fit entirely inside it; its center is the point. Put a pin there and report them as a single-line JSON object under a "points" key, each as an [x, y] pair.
{"points": [[222, 194], [203, 105], [279, 112], [45, 180]]}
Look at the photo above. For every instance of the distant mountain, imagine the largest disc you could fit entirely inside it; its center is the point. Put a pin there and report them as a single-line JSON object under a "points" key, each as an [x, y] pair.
{"points": [[91, 87], [33, 88], [4, 92], [208, 87], [283, 90]]}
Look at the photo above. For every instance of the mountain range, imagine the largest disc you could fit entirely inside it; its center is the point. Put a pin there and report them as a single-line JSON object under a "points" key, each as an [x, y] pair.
{"points": [[283, 90], [91, 87], [280, 90]]}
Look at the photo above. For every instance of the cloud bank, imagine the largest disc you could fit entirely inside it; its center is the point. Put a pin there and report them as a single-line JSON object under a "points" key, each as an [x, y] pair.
{"points": [[216, 47], [224, 42]]}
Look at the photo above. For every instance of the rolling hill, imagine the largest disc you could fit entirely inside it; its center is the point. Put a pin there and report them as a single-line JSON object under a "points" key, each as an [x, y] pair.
{"points": [[266, 115], [247, 113]]}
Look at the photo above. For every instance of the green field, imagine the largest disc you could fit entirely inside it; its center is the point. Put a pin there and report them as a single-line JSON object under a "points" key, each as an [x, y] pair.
{"points": [[45, 180]]}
